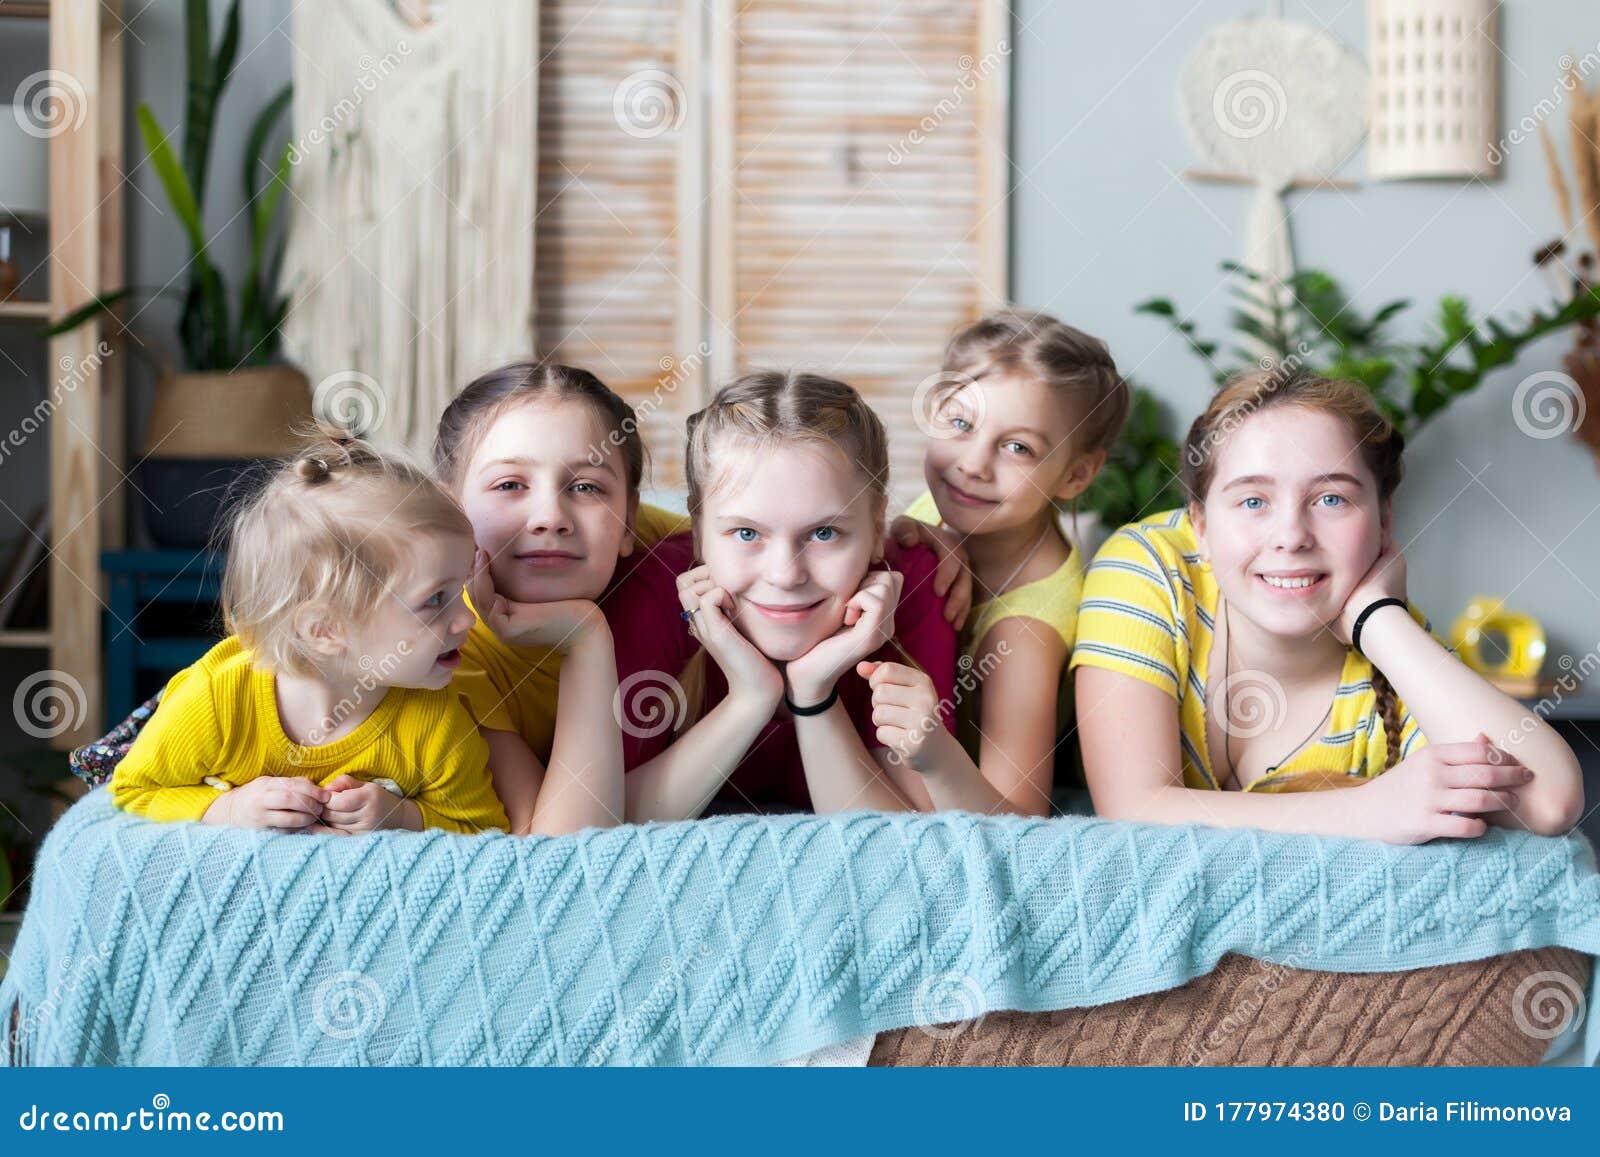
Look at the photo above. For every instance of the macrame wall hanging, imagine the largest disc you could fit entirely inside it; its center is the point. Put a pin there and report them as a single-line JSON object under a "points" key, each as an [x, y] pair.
{"points": [[410, 253], [1279, 105], [1435, 88]]}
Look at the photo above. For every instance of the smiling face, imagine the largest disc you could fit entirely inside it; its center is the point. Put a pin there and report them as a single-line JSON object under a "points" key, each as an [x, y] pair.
{"points": [[413, 636], [1292, 520], [789, 532], [547, 494], [1007, 454]]}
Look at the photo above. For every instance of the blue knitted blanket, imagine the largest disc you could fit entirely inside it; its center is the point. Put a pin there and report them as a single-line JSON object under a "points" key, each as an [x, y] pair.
{"points": [[732, 940]]}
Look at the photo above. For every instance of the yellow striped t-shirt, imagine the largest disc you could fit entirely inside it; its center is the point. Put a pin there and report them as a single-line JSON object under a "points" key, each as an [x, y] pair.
{"points": [[1148, 611]]}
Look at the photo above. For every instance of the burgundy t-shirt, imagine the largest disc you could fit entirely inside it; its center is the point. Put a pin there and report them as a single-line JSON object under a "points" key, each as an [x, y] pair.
{"points": [[653, 645]]}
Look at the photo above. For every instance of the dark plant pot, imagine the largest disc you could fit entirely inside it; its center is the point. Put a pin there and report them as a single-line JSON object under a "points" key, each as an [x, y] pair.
{"points": [[185, 499]]}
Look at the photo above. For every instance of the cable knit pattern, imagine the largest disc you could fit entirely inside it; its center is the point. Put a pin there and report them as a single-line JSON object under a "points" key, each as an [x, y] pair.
{"points": [[734, 940], [1251, 1012]]}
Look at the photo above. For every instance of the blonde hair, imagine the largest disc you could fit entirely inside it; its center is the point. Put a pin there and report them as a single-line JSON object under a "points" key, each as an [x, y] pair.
{"points": [[784, 407], [331, 526], [768, 408], [1379, 442], [1043, 348]]}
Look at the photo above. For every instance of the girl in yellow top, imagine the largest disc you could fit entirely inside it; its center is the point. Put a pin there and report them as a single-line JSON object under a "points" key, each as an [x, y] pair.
{"points": [[328, 707], [1259, 644], [1023, 414], [547, 463]]}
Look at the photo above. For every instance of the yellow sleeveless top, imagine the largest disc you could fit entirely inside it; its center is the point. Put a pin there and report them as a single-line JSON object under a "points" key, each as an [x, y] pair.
{"points": [[1052, 600]]}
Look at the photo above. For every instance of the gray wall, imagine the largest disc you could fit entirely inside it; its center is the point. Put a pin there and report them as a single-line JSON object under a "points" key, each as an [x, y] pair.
{"points": [[1102, 220]]}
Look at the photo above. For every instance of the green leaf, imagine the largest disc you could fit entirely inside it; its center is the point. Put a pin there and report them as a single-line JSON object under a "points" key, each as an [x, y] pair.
{"points": [[199, 95], [256, 142], [1157, 307], [83, 313], [179, 192]]}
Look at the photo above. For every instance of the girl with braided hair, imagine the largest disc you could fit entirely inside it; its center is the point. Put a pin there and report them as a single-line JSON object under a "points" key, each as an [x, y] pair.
{"points": [[1258, 644]]}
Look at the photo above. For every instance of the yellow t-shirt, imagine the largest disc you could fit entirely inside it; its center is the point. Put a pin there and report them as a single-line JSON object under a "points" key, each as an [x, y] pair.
{"points": [[1148, 610], [509, 688], [219, 719], [1052, 601]]}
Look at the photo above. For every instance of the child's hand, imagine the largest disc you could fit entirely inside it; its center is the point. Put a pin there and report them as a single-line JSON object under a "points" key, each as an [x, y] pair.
{"points": [[558, 625], [355, 806], [953, 580], [1445, 789], [709, 607], [868, 625], [1385, 579], [905, 711], [269, 801]]}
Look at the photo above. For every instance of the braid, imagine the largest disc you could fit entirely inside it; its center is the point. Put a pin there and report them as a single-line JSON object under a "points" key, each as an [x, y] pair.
{"points": [[1389, 712]]}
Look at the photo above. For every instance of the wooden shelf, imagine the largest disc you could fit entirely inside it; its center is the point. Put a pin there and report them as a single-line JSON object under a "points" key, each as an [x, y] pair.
{"points": [[25, 10], [24, 310], [25, 639]]}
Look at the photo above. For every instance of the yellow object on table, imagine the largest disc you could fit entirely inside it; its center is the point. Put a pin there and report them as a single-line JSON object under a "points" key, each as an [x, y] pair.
{"points": [[1518, 673]]}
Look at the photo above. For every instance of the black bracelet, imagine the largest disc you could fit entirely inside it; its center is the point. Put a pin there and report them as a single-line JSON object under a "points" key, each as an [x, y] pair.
{"points": [[1355, 631], [815, 708]]}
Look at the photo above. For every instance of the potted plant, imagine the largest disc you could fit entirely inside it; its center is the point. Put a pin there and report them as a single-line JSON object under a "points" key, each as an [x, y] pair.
{"points": [[232, 403], [1311, 326]]}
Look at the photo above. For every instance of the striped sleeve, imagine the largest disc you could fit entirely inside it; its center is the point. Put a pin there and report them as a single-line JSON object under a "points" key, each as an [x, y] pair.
{"points": [[1128, 619]]}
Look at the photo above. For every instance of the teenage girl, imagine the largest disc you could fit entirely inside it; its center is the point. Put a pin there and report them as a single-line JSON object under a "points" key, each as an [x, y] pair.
{"points": [[1258, 644]]}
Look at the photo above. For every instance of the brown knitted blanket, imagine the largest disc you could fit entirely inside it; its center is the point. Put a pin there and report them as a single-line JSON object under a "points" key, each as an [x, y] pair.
{"points": [[1499, 1011]]}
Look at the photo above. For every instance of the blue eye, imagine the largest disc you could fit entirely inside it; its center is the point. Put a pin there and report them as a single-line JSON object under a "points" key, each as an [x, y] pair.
{"points": [[1260, 503], [434, 601], [1336, 499], [825, 533], [744, 534], [1018, 448], [586, 488]]}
